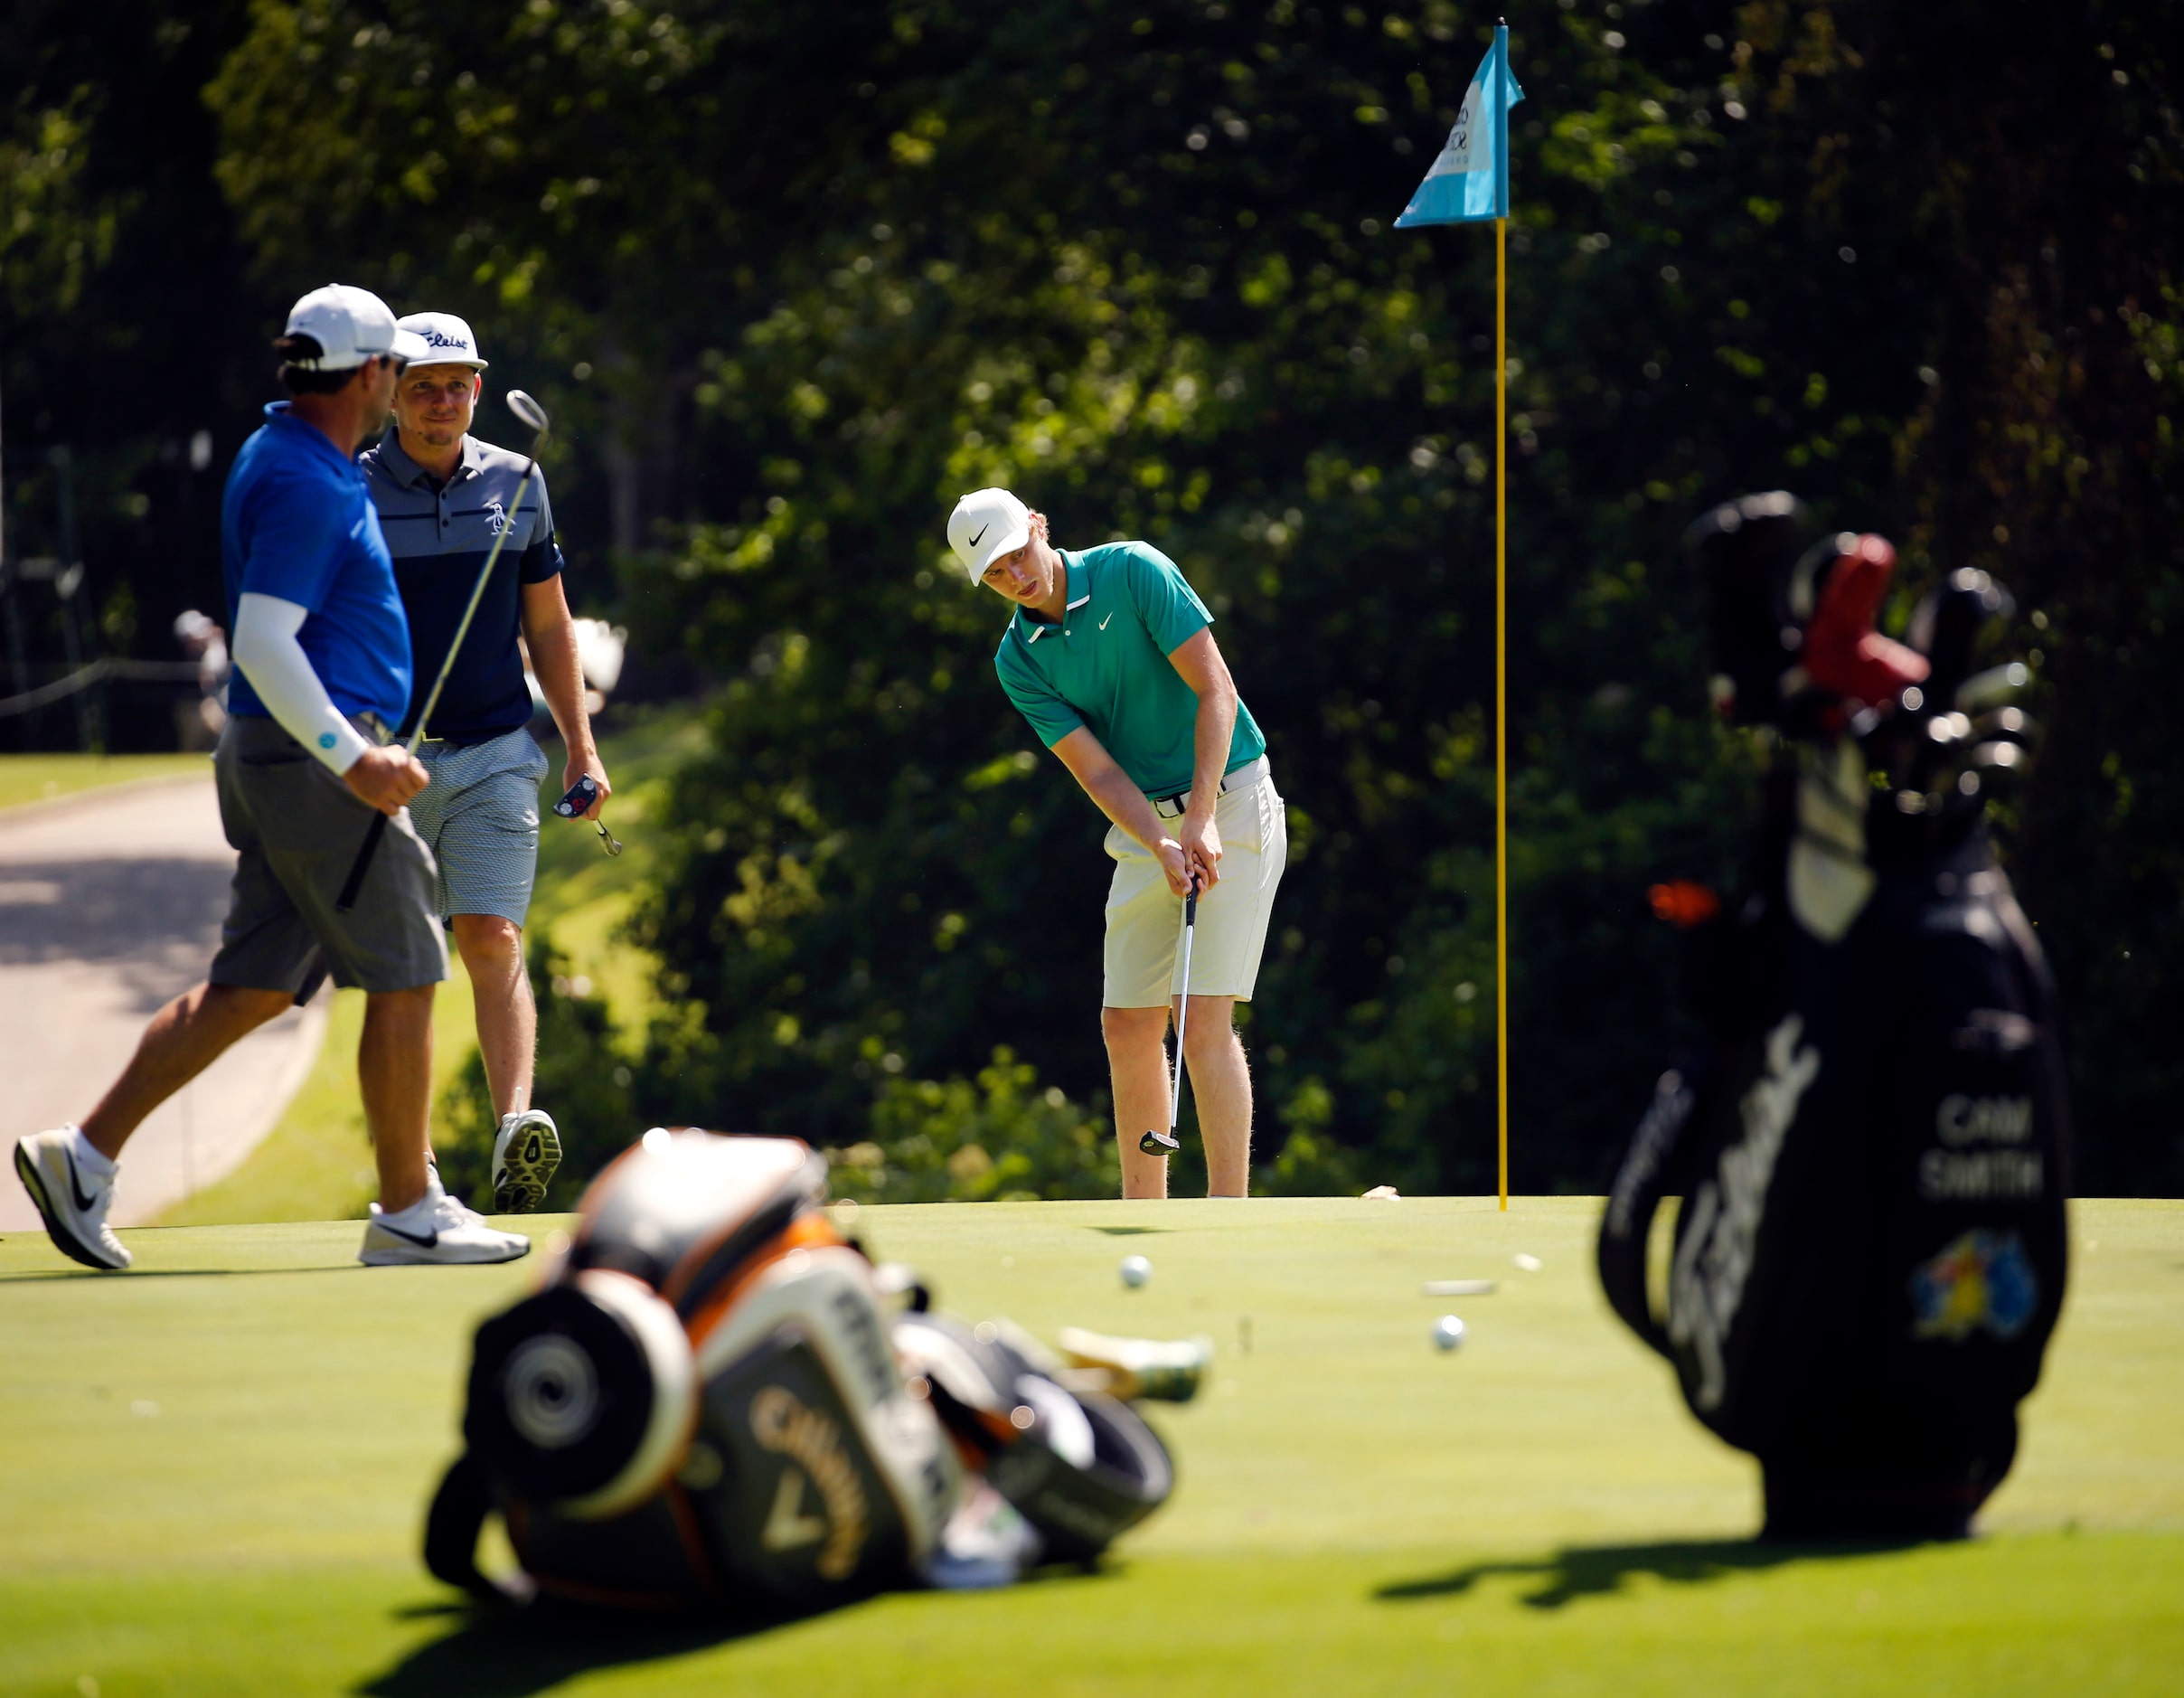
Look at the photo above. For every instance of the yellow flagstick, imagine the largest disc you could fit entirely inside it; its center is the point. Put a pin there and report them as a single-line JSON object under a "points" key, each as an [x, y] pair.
{"points": [[1446, 197], [1502, 685]]}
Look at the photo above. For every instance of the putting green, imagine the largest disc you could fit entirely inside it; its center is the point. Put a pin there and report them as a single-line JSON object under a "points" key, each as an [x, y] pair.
{"points": [[213, 1472]]}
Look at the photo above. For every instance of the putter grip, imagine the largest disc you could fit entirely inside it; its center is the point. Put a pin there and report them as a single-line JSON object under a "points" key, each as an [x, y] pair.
{"points": [[1190, 905], [362, 866]]}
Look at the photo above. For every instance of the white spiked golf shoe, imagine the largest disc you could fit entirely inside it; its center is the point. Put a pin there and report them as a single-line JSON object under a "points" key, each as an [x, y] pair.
{"points": [[525, 1152], [72, 1199], [437, 1228]]}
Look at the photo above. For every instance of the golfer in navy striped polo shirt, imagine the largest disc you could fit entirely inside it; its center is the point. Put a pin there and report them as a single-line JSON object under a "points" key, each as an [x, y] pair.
{"points": [[443, 497]]}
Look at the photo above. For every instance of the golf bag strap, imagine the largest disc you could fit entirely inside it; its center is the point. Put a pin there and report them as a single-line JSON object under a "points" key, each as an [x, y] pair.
{"points": [[1628, 1225], [452, 1527]]}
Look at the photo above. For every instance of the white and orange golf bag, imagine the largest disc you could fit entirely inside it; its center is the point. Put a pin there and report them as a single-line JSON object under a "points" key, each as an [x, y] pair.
{"points": [[709, 1403]]}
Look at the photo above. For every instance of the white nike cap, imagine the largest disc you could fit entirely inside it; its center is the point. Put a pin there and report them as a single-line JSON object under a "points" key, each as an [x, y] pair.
{"points": [[350, 326], [987, 523], [447, 337]]}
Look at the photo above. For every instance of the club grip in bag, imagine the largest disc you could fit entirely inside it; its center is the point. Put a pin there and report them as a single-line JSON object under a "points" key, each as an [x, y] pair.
{"points": [[361, 865]]}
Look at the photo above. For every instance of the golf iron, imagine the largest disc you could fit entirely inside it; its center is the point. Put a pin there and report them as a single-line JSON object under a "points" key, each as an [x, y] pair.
{"points": [[1156, 1142], [534, 416]]}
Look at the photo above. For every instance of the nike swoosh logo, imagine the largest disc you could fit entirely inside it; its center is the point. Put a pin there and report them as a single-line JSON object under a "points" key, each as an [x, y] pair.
{"points": [[1102, 624], [981, 531], [423, 1241], [82, 1201]]}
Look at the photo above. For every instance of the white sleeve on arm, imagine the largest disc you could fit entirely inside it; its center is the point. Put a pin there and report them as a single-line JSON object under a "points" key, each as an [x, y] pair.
{"points": [[280, 671]]}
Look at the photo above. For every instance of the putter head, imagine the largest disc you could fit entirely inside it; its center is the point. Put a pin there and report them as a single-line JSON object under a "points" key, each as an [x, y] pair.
{"points": [[1159, 1144], [522, 405]]}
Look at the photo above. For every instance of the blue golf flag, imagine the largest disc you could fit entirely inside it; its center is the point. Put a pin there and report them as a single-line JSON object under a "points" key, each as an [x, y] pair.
{"points": [[1470, 180]]}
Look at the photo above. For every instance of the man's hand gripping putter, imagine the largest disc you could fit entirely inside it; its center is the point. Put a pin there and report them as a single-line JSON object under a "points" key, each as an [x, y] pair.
{"points": [[579, 802]]}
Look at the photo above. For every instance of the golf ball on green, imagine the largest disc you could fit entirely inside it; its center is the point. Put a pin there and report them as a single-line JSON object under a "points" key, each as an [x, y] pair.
{"points": [[1135, 1270], [1448, 1333]]}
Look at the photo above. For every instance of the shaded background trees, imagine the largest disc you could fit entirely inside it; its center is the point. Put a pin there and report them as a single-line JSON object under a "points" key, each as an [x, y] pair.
{"points": [[795, 280]]}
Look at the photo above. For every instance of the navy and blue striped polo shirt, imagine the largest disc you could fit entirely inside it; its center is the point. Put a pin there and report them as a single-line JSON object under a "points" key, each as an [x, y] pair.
{"points": [[439, 538]]}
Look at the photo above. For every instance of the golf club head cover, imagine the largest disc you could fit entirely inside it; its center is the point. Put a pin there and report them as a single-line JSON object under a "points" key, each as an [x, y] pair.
{"points": [[700, 1404], [1745, 552], [1843, 654], [1082, 1467]]}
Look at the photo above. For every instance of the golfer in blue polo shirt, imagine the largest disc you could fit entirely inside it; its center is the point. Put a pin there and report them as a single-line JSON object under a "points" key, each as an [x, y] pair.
{"points": [[322, 675], [1110, 656]]}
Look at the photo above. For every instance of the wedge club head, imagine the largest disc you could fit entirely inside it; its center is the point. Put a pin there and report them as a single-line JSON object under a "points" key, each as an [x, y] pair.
{"points": [[520, 404]]}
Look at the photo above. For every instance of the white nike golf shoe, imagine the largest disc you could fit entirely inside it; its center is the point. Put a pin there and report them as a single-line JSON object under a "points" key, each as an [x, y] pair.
{"points": [[437, 1228], [525, 1152], [72, 1199]]}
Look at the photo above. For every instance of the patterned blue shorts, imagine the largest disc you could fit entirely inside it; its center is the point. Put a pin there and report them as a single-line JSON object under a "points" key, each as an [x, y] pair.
{"points": [[480, 818]]}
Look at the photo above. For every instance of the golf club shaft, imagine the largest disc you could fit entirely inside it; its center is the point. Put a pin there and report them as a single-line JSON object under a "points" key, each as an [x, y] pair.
{"points": [[1182, 1012], [354, 883]]}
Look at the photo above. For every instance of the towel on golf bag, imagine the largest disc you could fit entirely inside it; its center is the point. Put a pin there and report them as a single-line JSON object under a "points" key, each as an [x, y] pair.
{"points": [[1871, 1149], [708, 1403]]}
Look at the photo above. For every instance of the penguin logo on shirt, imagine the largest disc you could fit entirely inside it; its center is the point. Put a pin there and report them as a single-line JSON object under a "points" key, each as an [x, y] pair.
{"points": [[496, 517]]}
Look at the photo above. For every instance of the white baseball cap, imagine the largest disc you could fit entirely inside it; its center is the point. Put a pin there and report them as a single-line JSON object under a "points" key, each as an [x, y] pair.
{"points": [[987, 523], [350, 326], [447, 337]]}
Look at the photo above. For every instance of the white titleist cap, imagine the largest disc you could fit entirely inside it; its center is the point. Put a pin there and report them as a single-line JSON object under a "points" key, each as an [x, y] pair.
{"points": [[987, 523], [350, 326], [447, 338]]}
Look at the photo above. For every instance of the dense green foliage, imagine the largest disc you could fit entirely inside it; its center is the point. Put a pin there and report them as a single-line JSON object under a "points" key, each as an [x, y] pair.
{"points": [[794, 279]]}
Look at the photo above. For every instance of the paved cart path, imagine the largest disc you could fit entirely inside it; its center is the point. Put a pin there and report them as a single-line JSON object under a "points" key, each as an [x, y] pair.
{"points": [[110, 904]]}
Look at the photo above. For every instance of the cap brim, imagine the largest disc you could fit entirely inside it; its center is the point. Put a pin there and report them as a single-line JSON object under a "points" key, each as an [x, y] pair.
{"points": [[410, 346], [1007, 543]]}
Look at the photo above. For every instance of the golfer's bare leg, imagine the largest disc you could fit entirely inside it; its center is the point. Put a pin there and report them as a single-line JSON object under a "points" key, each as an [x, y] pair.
{"points": [[1221, 1085], [183, 1039], [491, 949], [394, 1070], [1137, 1068]]}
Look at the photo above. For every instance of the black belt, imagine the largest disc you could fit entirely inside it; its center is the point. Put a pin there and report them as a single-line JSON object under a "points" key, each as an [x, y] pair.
{"points": [[1175, 807]]}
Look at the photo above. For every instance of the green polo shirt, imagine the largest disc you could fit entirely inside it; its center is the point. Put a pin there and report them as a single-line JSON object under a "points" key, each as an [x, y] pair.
{"points": [[1104, 665]]}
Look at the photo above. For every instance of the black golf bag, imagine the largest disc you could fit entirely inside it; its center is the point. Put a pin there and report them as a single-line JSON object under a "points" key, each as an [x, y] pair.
{"points": [[708, 1403], [1871, 1147]]}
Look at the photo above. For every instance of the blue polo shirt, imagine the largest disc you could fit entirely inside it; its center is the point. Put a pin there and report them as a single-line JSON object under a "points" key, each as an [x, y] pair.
{"points": [[296, 522], [440, 534], [1104, 665]]}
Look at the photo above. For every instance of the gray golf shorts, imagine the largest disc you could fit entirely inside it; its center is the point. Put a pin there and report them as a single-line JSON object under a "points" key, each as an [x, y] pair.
{"points": [[480, 818], [296, 828]]}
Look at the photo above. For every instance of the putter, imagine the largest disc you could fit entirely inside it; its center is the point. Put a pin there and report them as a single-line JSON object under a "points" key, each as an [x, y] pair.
{"points": [[581, 795], [1156, 1142], [534, 415]]}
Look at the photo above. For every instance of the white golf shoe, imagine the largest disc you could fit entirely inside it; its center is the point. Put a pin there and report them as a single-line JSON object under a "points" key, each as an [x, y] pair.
{"points": [[437, 1228], [72, 1199], [525, 1152]]}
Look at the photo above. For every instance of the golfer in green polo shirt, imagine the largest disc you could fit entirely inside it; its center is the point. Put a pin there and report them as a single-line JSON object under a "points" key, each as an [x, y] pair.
{"points": [[1111, 657]]}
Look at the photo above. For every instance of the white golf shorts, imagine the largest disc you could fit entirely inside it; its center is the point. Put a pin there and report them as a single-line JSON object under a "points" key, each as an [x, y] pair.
{"points": [[1144, 918]]}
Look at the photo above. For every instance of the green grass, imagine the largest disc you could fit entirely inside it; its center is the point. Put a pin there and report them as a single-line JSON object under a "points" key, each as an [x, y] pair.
{"points": [[584, 895], [317, 1164], [41, 778], [1357, 1513]]}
